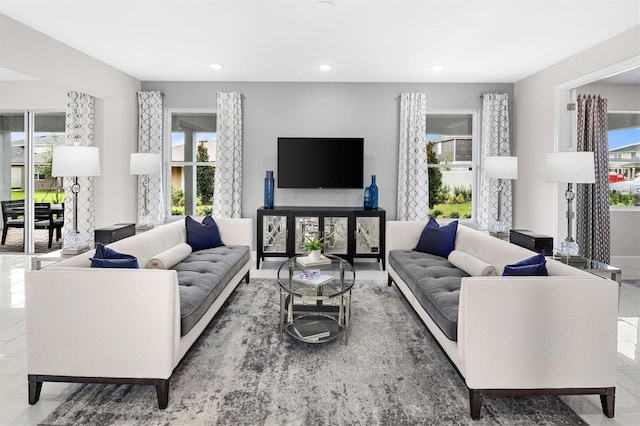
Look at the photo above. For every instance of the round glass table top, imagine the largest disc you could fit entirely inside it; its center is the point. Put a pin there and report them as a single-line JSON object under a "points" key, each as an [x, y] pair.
{"points": [[339, 275]]}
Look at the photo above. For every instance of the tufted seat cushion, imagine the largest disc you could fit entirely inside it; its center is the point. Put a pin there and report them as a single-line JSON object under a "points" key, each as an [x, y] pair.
{"points": [[436, 284], [202, 277]]}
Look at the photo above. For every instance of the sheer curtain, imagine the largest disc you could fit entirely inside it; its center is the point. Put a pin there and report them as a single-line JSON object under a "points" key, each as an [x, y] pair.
{"points": [[495, 142], [79, 126], [227, 187], [150, 122], [592, 200], [413, 180]]}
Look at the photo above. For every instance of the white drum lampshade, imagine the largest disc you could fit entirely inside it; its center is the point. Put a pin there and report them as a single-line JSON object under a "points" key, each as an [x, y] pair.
{"points": [[74, 161], [143, 163], [501, 167]]}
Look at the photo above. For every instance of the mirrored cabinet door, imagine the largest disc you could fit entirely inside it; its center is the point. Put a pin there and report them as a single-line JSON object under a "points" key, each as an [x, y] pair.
{"points": [[274, 234], [306, 227], [367, 235], [336, 232]]}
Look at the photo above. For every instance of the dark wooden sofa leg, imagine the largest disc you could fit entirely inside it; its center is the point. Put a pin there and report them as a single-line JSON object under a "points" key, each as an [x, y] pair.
{"points": [[608, 401], [475, 403], [162, 390], [389, 280], [246, 278], [35, 388]]}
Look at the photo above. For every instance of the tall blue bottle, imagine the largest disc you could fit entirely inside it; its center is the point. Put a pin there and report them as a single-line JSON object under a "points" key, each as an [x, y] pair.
{"points": [[367, 198], [373, 192], [268, 190]]}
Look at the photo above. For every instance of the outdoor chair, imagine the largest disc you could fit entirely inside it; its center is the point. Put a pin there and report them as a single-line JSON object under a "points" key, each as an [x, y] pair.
{"points": [[43, 219], [12, 216]]}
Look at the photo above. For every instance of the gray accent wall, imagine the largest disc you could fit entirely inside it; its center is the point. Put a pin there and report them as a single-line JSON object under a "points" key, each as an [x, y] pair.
{"points": [[368, 110]]}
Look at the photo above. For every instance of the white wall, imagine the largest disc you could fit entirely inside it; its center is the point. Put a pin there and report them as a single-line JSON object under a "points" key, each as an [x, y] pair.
{"points": [[620, 97], [369, 110], [535, 200], [62, 69]]}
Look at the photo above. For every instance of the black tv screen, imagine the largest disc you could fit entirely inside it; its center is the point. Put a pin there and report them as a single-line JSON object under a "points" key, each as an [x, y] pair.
{"points": [[320, 162]]}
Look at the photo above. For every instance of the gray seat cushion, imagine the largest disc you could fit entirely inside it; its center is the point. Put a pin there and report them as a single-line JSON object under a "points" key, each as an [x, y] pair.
{"points": [[436, 284], [202, 277]]}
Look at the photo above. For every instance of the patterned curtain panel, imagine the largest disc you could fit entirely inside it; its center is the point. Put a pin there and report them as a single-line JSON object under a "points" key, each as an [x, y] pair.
{"points": [[413, 180], [592, 201], [79, 125], [495, 142], [150, 121], [227, 186]]}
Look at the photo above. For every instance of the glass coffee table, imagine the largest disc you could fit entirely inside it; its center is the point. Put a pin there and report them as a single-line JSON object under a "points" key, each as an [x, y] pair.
{"points": [[316, 313]]}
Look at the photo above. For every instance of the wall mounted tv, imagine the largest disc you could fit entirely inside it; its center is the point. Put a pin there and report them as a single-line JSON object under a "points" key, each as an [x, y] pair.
{"points": [[320, 162]]}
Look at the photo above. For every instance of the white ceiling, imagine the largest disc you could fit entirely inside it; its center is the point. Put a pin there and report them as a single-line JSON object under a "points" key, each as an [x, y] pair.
{"points": [[364, 40]]}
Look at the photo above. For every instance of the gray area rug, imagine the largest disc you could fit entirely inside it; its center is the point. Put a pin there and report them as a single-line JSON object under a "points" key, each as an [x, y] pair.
{"points": [[391, 372], [632, 283]]}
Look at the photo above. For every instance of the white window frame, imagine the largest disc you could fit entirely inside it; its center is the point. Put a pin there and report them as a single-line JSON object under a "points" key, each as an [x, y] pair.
{"points": [[166, 155], [475, 161]]}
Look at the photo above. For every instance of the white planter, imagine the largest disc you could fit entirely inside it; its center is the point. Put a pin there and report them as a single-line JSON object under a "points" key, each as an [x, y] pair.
{"points": [[314, 255]]}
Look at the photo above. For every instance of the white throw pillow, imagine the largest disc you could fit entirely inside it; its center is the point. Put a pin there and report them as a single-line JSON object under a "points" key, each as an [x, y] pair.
{"points": [[471, 264], [170, 257]]}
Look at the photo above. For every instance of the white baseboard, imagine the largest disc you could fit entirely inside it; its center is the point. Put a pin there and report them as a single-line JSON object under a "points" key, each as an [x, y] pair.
{"points": [[630, 266]]}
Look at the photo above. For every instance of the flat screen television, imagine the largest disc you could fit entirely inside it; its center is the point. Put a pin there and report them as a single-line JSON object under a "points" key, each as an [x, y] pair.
{"points": [[320, 162]]}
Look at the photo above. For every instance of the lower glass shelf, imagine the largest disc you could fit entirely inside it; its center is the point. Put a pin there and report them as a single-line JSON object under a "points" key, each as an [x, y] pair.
{"points": [[315, 328]]}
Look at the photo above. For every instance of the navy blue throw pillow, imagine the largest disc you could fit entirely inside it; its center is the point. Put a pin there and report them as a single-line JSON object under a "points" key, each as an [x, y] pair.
{"points": [[203, 235], [531, 266], [105, 257], [436, 239]]}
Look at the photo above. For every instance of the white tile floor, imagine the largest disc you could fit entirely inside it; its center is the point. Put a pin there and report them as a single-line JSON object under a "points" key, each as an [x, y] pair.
{"points": [[14, 409]]}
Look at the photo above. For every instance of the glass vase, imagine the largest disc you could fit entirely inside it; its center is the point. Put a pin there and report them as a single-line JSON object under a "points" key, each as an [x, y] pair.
{"points": [[367, 198], [373, 190], [268, 190]]}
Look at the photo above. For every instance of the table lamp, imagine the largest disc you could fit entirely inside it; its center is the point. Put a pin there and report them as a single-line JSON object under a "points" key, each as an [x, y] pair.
{"points": [[145, 164], [75, 161], [501, 168], [569, 168]]}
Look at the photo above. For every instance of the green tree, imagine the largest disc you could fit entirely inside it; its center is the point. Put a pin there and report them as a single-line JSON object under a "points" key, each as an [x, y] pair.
{"points": [[435, 176], [204, 175]]}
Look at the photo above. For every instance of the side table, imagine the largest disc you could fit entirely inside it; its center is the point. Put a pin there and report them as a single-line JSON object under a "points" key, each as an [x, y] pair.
{"points": [[51, 257]]}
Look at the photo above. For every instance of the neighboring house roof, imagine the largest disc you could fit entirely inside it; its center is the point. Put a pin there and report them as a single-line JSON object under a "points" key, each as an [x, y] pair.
{"points": [[631, 147], [177, 151]]}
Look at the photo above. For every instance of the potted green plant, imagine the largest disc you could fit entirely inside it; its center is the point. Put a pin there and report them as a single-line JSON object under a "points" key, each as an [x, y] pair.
{"points": [[314, 246]]}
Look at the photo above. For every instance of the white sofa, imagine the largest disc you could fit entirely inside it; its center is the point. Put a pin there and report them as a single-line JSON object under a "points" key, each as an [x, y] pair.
{"points": [[117, 325], [523, 335]]}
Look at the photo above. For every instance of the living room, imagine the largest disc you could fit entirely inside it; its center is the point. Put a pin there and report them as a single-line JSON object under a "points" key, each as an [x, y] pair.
{"points": [[323, 107]]}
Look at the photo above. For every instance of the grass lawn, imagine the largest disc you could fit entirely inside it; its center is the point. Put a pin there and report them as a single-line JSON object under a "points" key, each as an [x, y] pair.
{"points": [[446, 209], [39, 196]]}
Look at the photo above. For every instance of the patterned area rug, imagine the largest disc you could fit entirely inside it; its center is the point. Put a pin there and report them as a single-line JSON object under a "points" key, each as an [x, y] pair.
{"points": [[390, 372], [632, 283]]}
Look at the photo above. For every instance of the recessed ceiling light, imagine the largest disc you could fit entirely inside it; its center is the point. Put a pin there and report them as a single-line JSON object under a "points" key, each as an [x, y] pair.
{"points": [[437, 67], [216, 66], [324, 5], [325, 67]]}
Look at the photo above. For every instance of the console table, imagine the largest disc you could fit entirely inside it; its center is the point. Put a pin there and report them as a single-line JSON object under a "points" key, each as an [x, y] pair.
{"points": [[348, 232]]}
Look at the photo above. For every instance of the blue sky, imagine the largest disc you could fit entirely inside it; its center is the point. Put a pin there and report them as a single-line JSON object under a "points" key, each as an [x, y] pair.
{"points": [[622, 137]]}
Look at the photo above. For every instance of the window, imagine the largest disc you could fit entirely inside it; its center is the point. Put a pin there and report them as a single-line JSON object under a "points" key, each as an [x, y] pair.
{"points": [[624, 158], [451, 150], [192, 158]]}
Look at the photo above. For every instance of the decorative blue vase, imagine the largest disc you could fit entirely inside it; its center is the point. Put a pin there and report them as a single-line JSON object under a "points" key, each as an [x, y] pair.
{"points": [[367, 198], [373, 191], [268, 190]]}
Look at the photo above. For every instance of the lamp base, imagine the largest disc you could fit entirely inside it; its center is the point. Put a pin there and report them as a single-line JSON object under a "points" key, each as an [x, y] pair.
{"points": [[75, 250], [570, 247]]}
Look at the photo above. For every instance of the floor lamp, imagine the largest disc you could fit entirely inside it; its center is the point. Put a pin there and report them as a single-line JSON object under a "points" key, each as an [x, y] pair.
{"points": [[145, 164], [501, 168], [570, 168], [75, 161]]}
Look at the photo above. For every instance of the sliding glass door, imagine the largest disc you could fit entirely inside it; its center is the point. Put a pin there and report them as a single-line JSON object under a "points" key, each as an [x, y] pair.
{"points": [[31, 199]]}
